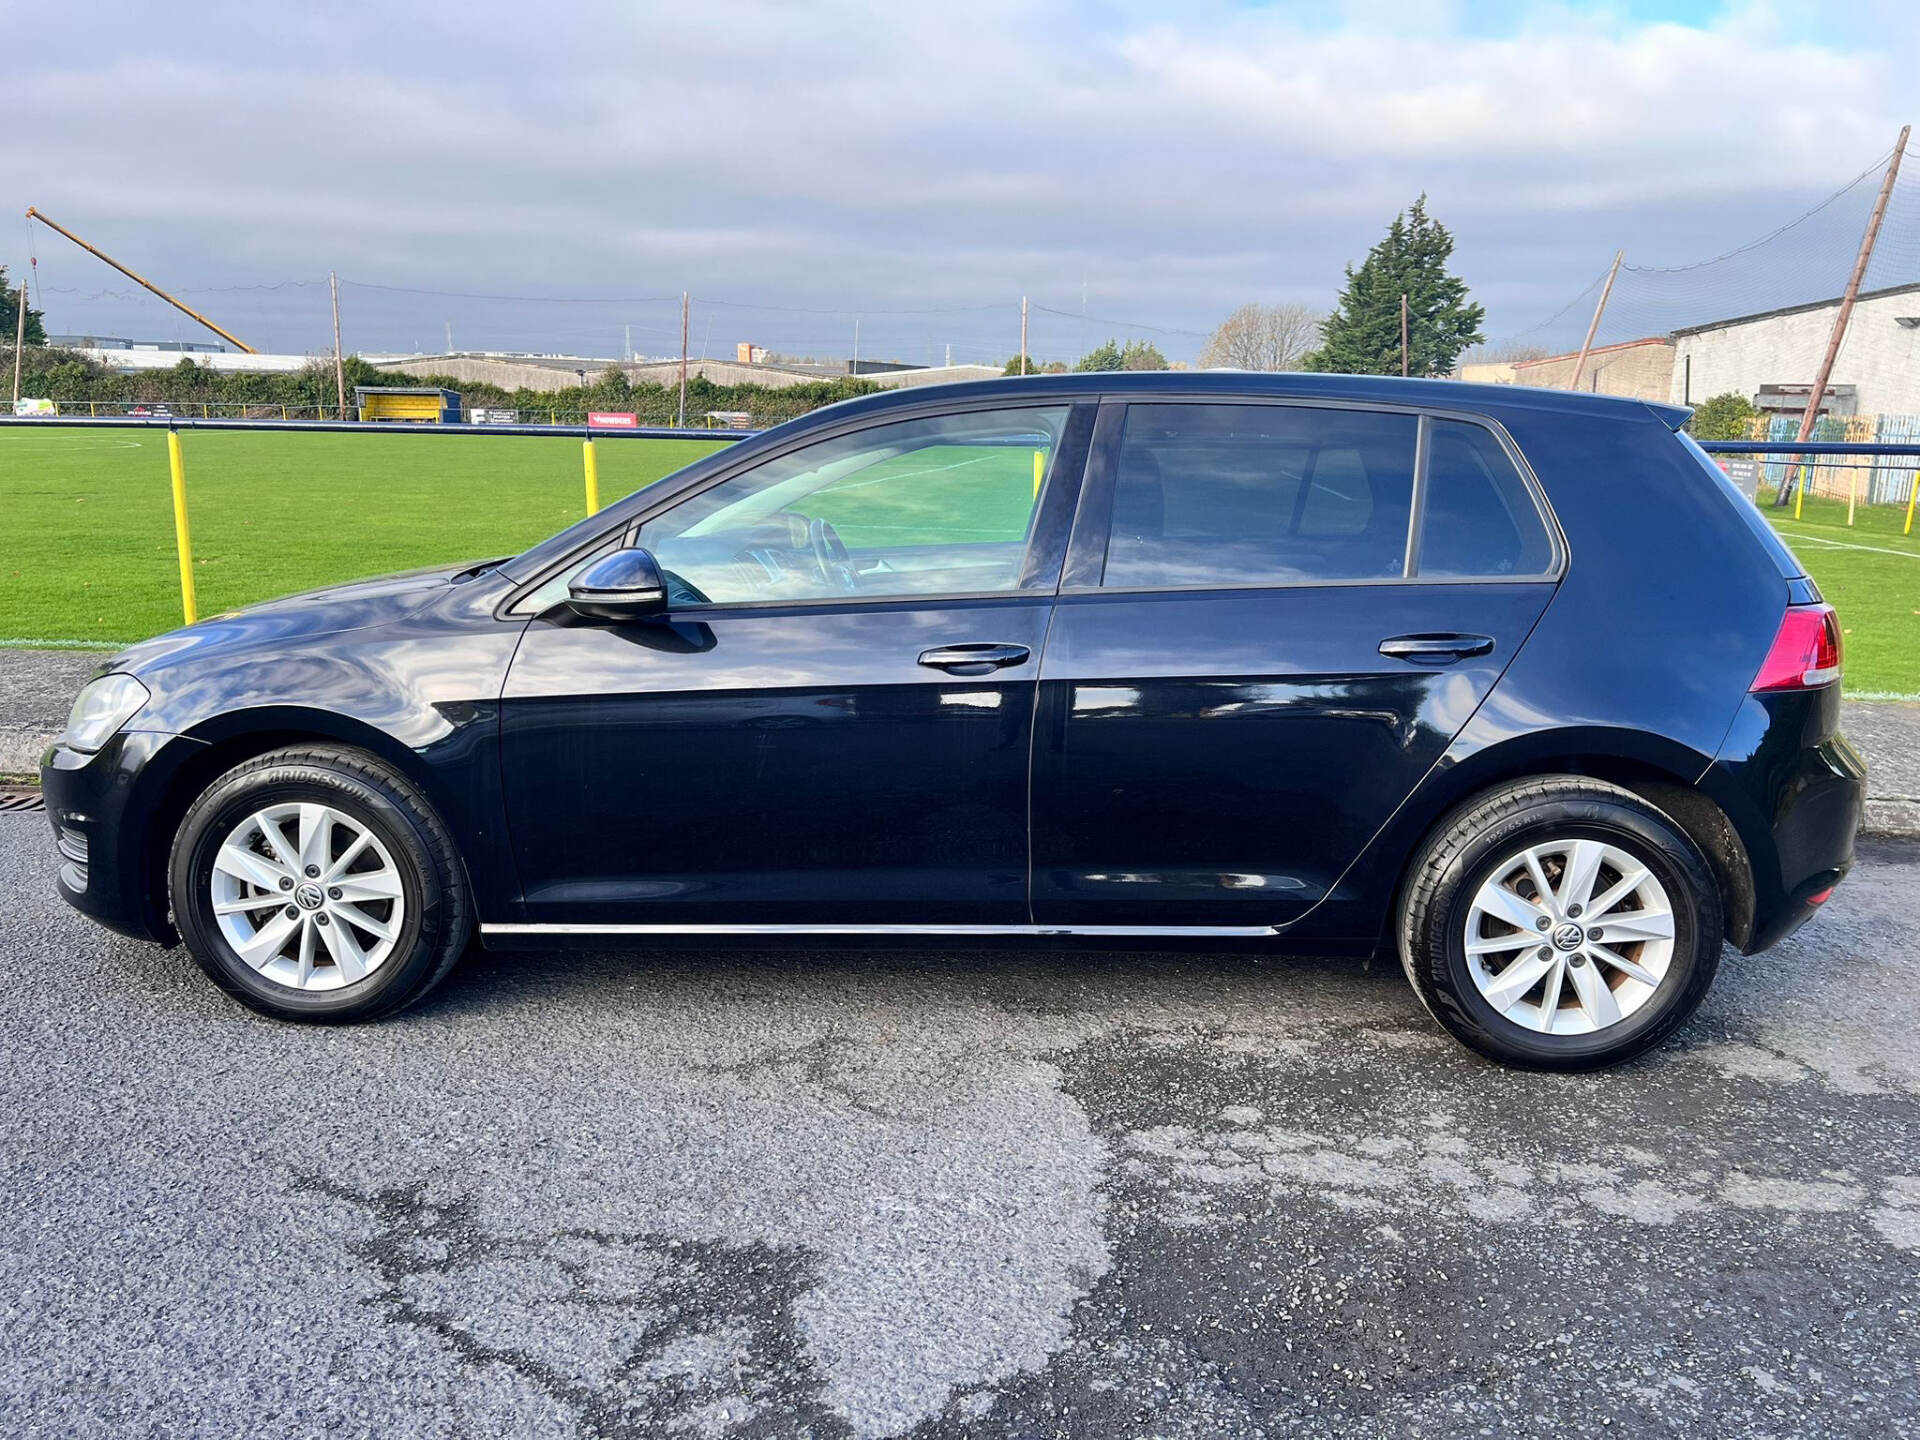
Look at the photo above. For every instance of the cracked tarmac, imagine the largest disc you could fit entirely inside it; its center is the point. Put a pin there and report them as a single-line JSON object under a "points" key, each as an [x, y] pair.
{"points": [[949, 1194]]}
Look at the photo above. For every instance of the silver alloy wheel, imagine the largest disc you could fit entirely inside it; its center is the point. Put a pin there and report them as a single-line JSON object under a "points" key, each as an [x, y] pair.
{"points": [[307, 896], [1569, 937]]}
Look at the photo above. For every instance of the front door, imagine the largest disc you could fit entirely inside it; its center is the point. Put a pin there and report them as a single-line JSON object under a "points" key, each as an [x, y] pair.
{"points": [[831, 725], [1264, 639]]}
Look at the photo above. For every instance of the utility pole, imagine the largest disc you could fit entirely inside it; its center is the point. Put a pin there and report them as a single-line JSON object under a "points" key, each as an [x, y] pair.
{"points": [[856, 347], [449, 337], [684, 312], [1593, 325], [339, 365], [1403, 336], [1023, 334], [1846, 310], [19, 342]]}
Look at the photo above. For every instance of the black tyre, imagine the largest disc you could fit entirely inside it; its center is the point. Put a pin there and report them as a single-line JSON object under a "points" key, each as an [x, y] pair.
{"points": [[317, 884], [1560, 923]]}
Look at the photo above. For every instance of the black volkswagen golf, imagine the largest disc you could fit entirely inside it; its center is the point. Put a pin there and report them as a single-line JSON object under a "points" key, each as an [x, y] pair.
{"points": [[1509, 681]]}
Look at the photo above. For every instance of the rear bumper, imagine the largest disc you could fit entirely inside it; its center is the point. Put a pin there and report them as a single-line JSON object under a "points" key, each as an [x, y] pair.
{"points": [[1795, 791], [99, 806]]}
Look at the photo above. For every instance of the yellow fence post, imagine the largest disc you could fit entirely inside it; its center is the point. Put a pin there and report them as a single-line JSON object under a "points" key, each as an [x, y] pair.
{"points": [[593, 477], [1913, 493], [1800, 492], [182, 537], [1039, 469]]}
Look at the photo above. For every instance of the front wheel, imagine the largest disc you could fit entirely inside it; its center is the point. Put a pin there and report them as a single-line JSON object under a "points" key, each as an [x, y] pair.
{"points": [[1560, 923], [317, 884]]}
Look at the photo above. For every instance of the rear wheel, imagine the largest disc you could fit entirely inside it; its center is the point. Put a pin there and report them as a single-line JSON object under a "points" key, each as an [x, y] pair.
{"points": [[1560, 923], [317, 884]]}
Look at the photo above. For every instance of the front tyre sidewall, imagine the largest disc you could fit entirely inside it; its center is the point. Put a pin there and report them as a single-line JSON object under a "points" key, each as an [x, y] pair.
{"points": [[1671, 859], [416, 950]]}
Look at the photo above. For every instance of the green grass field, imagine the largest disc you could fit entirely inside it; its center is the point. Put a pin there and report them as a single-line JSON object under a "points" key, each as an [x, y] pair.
{"points": [[87, 515], [88, 525], [1871, 573]]}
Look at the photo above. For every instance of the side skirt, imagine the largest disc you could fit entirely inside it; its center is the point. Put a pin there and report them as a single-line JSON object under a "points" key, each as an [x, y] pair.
{"points": [[1248, 932]]}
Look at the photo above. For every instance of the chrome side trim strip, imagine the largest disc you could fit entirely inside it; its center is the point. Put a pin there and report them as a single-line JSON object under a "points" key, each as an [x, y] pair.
{"points": [[1197, 931]]}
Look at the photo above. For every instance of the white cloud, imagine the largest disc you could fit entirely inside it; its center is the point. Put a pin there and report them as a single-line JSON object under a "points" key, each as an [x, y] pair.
{"points": [[883, 155]]}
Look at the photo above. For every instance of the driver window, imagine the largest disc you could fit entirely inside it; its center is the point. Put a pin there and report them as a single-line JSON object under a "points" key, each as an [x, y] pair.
{"points": [[919, 507]]}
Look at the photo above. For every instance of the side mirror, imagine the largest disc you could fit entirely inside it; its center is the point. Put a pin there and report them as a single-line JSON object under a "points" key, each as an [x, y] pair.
{"points": [[626, 585]]}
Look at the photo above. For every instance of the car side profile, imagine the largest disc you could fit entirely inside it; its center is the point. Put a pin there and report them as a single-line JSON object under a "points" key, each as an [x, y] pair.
{"points": [[1512, 682]]}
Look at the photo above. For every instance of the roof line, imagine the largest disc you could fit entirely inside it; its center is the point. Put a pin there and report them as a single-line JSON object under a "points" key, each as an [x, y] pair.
{"points": [[1796, 309]]}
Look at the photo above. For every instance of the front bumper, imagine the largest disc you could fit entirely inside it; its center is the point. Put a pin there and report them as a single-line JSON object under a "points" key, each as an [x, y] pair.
{"points": [[102, 807]]}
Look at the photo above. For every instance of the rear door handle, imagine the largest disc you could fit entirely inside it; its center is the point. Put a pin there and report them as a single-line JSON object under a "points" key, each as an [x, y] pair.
{"points": [[974, 659], [1435, 649]]}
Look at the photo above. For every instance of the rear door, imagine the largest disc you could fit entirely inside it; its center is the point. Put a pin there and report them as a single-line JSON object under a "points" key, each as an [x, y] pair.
{"points": [[1274, 619]]}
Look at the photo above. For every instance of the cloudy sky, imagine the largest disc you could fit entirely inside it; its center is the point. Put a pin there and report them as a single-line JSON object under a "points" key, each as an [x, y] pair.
{"points": [[915, 164]]}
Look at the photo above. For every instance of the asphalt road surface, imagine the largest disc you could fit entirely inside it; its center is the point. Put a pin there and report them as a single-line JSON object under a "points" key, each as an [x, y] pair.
{"points": [[948, 1194]]}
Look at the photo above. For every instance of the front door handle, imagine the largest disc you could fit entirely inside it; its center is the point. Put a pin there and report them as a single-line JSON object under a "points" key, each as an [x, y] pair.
{"points": [[974, 659], [1435, 649]]}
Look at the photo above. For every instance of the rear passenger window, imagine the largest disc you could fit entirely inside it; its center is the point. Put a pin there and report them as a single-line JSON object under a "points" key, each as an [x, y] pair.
{"points": [[1252, 494], [1480, 520]]}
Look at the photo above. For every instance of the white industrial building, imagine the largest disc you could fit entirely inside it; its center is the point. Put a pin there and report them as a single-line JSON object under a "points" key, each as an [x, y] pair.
{"points": [[1772, 358]]}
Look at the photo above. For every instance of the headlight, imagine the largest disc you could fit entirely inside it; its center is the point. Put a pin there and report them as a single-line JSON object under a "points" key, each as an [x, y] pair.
{"points": [[102, 708]]}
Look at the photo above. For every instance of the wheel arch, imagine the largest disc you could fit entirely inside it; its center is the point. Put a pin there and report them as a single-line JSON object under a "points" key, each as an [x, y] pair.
{"points": [[232, 739], [1664, 774]]}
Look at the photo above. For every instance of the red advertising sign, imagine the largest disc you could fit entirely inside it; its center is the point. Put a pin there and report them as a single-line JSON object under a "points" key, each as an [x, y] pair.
{"points": [[615, 419]]}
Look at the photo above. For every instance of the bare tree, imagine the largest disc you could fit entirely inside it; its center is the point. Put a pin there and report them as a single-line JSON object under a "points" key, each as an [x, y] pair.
{"points": [[1263, 337]]}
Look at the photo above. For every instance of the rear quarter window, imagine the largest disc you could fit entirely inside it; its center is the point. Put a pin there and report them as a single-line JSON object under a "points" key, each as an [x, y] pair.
{"points": [[1480, 518]]}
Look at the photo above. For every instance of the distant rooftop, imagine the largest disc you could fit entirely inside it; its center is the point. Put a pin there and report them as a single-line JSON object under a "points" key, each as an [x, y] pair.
{"points": [[115, 342]]}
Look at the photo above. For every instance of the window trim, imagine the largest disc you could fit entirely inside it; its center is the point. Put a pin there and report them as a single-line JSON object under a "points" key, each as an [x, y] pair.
{"points": [[1087, 550], [1047, 534]]}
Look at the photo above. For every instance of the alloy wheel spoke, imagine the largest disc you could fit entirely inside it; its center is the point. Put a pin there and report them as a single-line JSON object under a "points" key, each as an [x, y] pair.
{"points": [[349, 855], [1633, 969], [1584, 859], [1504, 904], [267, 942], [307, 927], [1616, 892], [248, 904], [346, 952], [316, 836], [1629, 925], [1550, 991], [1541, 888], [1595, 995], [1500, 944], [1516, 980], [276, 839], [244, 864], [368, 885], [354, 915]]}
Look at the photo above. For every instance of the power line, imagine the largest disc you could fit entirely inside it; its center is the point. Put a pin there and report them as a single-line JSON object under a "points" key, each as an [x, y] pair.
{"points": [[1122, 324]]}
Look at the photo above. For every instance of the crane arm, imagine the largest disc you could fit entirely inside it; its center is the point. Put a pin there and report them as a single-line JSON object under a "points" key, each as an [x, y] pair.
{"points": [[99, 254]]}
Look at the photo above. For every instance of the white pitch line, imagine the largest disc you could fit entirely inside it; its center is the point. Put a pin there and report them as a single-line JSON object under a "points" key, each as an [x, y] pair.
{"points": [[1842, 545]]}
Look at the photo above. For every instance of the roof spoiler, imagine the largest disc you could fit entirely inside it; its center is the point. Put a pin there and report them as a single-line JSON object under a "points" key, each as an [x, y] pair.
{"points": [[1671, 416]]}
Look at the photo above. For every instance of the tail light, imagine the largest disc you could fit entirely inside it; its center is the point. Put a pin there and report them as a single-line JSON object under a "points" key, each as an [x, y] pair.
{"points": [[1806, 652]]}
